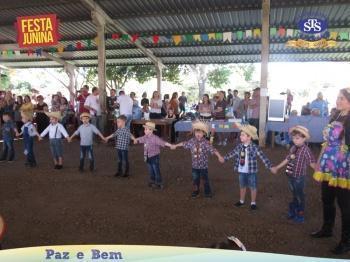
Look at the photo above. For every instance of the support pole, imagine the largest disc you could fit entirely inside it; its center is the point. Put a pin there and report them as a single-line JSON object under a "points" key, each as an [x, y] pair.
{"points": [[100, 23], [159, 78], [70, 70], [265, 45]]}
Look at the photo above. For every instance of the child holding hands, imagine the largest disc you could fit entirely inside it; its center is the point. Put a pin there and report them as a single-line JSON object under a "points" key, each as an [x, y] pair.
{"points": [[200, 149]]}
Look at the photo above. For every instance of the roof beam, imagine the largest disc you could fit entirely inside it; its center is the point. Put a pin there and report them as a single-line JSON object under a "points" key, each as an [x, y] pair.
{"points": [[94, 7]]}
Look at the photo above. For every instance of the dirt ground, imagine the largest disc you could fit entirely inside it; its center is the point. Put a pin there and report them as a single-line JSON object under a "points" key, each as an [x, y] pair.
{"points": [[43, 206]]}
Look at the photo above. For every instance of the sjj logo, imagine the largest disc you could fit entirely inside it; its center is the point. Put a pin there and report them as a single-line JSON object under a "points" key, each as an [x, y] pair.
{"points": [[313, 24]]}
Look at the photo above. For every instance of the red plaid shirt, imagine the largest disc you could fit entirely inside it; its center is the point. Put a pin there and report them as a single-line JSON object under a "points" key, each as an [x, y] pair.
{"points": [[303, 157], [152, 145]]}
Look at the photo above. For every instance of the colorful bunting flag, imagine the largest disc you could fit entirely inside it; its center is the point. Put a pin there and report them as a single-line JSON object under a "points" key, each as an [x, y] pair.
{"points": [[248, 33], [333, 35], [219, 36], [78, 46], [189, 38], [177, 39], [211, 36], [155, 39], [344, 36], [9, 53], [115, 36], [281, 32], [38, 51], [227, 37], [17, 52], [52, 50], [30, 52], [273, 31], [197, 37], [70, 47], [205, 37], [135, 37], [125, 37], [96, 40], [60, 49], [89, 43], [239, 35], [290, 32], [257, 33]]}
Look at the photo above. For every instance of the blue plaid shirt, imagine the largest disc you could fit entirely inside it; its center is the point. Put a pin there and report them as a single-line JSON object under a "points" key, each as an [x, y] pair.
{"points": [[253, 151], [122, 138]]}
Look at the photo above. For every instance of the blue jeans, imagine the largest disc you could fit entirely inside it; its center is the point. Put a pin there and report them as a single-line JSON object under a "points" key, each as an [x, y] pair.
{"points": [[128, 121], [154, 170], [28, 148], [8, 150], [296, 186], [86, 150], [123, 159], [56, 148], [248, 180], [197, 175]]}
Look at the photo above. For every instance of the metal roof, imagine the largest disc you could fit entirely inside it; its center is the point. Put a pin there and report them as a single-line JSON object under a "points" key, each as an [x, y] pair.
{"points": [[168, 17]]}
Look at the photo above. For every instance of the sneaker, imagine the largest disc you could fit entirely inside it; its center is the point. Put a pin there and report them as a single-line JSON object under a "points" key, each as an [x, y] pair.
{"points": [[239, 204], [341, 248], [125, 175], [253, 207], [160, 187], [151, 184], [195, 194], [299, 219]]}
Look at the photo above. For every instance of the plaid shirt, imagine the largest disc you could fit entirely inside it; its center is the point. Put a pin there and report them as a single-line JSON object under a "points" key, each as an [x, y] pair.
{"points": [[253, 151], [122, 138], [152, 145], [302, 158], [200, 150]]}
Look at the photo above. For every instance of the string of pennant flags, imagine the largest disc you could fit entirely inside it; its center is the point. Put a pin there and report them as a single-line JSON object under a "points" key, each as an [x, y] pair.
{"points": [[177, 39]]}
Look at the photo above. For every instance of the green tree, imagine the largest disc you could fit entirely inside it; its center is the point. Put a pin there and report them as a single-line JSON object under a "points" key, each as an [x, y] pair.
{"points": [[219, 76], [23, 87], [245, 70], [4, 81]]}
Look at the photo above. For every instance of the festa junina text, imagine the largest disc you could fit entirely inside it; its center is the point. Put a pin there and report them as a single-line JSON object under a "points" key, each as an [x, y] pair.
{"points": [[37, 30]]}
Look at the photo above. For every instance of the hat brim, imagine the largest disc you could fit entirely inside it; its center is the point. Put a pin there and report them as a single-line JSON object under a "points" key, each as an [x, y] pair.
{"points": [[247, 131], [305, 133], [58, 117], [82, 116]]}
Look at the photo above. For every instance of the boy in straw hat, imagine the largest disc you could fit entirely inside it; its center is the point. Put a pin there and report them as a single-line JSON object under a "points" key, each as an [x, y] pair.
{"points": [[245, 162], [297, 160], [28, 131], [151, 152], [200, 149], [86, 132], [56, 131]]}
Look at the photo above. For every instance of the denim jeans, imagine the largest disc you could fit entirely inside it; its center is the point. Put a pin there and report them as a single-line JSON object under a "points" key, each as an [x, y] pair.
{"points": [[154, 170], [87, 150], [8, 150], [296, 186], [28, 148], [96, 121], [123, 159], [56, 148], [197, 175], [248, 180]]}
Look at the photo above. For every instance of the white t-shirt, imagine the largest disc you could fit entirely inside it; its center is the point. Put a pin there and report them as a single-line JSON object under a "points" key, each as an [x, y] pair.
{"points": [[125, 105], [244, 169], [93, 102], [156, 110]]}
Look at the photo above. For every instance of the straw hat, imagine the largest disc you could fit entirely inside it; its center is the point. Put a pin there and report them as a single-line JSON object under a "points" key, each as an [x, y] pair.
{"points": [[27, 115], [301, 129], [56, 115], [150, 125], [249, 130], [199, 125], [84, 115]]}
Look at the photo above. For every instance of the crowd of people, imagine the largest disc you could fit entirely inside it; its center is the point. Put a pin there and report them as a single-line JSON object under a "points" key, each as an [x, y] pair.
{"points": [[332, 168]]}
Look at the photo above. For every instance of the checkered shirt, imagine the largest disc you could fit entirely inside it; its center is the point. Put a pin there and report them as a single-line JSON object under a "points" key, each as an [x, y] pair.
{"points": [[200, 150], [152, 145], [303, 158], [122, 138], [253, 151]]}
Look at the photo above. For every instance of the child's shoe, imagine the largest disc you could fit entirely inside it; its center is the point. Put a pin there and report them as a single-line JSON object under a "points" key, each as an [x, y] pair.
{"points": [[253, 207], [195, 194], [239, 204], [299, 218], [291, 211]]}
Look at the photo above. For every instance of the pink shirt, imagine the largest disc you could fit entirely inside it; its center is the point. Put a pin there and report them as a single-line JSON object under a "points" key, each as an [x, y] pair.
{"points": [[152, 145]]}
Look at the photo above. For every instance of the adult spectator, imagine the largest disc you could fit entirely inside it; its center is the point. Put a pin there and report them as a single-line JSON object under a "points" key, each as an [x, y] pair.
{"points": [[229, 99], [246, 113], [125, 107], [182, 103], [17, 111], [144, 99], [92, 103], [254, 105], [55, 103], [174, 104], [320, 105], [84, 93], [289, 102], [8, 104], [112, 101], [41, 119], [219, 114], [27, 106], [165, 105], [236, 101], [156, 106], [305, 110], [134, 100], [204, 108]]}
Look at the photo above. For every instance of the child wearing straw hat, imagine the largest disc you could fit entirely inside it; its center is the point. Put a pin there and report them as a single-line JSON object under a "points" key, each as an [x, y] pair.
{"points": [[56, 131], [200, 149], [28, 131], [245, 162], [299, 157], [86, 132], [151, 153]]}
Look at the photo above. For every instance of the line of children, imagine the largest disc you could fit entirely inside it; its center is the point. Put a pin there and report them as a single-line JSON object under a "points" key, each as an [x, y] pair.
{"points": [[56, 131], [299, 157]]}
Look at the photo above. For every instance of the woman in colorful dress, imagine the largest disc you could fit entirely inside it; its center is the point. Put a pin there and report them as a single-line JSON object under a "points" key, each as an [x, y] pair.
{"points": [[334, 173]]}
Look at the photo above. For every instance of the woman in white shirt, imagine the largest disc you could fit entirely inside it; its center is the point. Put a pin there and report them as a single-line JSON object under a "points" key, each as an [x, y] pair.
{"points": [[156, 106]]}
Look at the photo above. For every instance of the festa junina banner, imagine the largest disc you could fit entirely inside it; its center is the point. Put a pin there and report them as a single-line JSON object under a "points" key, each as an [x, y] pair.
{"points": [[120, 253], [40, 30]]}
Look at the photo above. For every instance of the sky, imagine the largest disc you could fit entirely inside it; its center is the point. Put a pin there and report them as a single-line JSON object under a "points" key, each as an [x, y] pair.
{"points": [[328, 77]]}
